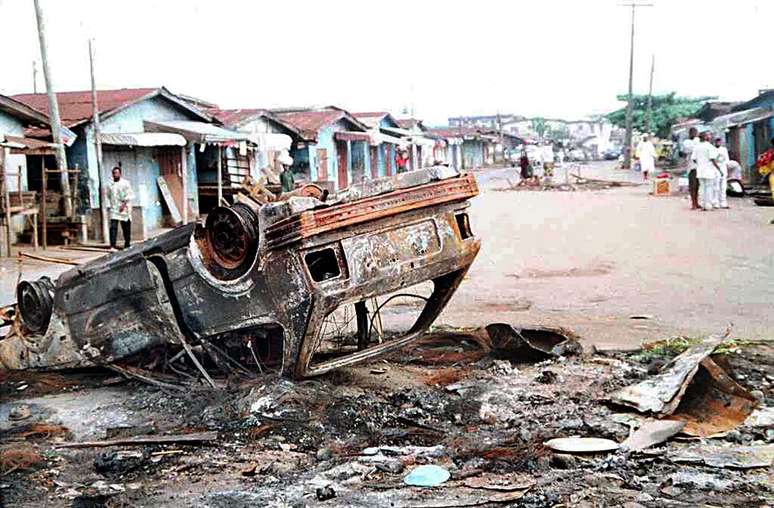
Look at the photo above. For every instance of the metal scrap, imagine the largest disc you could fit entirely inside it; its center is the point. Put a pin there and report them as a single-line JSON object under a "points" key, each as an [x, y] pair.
{"points": [[737, 457], [713, 403], [535, 343], [651, 433], [662, 393]]}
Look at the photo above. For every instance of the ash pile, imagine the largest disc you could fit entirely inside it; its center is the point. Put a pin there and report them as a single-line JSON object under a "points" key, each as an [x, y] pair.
{"points": [[496, 416]]}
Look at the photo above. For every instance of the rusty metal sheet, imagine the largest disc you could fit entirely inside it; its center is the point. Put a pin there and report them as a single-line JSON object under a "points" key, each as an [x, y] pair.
{"points": [[315, 222], [661, 394], [713, 403]]}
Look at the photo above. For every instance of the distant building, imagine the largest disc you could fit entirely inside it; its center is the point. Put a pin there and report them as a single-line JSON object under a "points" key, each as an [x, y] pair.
{"points": [[333, 148], [486, 121], [471, 148], [272, 137], [386, 139]]}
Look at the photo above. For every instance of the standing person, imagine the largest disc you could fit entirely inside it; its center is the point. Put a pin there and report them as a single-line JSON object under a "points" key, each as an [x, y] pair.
{"points": [[547, 154], [401, 160], [287, 180], [646, 153], [120, 197], [524, 165], [693, 182], [722, 181], [707, 171]]}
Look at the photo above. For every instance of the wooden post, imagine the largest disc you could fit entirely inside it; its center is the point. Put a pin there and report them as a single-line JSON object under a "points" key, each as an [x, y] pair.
{"points": [[43, 201], [76, 193], [35, 231], [53, 113], [650, 94], [19, 184], [184, 170], [220, 174], [6, 200], [98, 146]]}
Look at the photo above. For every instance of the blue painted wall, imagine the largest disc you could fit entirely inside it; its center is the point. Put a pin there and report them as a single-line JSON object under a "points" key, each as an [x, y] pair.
{"points": [[14, 164], [13, 127], [748, 132], [325, 139], [139, 165], [472, 153]]}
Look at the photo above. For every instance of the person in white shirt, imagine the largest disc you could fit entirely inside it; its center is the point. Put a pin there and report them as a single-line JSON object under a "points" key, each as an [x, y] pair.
{"points": [[547, 156], [120, 197], [693, 182], [723, 179], [646, 153], [707, 171]]}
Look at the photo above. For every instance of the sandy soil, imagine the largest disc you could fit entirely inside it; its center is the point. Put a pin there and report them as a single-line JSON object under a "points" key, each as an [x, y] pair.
{"points": [[589, 260]]}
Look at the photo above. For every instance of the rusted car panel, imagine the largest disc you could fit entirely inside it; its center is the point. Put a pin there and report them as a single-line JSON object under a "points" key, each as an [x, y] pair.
{"points": [[272, 268]]}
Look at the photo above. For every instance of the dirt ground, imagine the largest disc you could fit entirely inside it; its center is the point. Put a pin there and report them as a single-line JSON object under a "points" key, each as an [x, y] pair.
{"points": [[585, 260], [351, 437], [590, 260]]}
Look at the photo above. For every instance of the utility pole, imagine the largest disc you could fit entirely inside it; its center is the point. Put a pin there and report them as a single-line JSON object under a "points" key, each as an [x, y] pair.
{"points": [[650, 94], [53, 113], [629, 105], [34, 77], [98, 147]]}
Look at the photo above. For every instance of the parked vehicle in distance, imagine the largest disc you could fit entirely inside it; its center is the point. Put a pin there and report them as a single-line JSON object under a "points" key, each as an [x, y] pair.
{"points": [[611, 154]]}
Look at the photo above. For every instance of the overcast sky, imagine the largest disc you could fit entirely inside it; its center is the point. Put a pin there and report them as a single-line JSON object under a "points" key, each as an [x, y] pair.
{"points": [[564, 58]]}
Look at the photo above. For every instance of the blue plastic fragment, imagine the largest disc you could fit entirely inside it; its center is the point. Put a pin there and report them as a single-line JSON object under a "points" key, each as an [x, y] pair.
{"points": [[427, 476]]}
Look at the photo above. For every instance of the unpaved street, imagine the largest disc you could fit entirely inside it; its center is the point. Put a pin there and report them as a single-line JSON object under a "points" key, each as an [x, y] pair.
{"points": [[590, 259]]}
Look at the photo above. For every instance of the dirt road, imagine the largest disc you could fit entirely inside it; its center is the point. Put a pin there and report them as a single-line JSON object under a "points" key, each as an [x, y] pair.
{"points": [[590, 259]]}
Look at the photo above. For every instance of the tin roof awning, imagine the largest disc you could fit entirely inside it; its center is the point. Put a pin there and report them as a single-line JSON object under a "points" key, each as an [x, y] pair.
{"points": [[142, 139], [271, 140], [377, 138], [197, 132], [398, 131], [28, 146], [352, 136], [421, 140], [742, 117]]}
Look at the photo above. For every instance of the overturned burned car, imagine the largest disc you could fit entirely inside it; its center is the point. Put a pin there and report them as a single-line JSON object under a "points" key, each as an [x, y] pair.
{"points": [[271, 270]]}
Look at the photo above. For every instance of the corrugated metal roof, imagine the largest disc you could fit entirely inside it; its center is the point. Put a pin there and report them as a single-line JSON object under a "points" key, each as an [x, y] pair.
{"points": [[742, 117], [197, 132], [29, 144], [310, 122], [143, 139], [233, 117], [21, 111], [75, 107]]}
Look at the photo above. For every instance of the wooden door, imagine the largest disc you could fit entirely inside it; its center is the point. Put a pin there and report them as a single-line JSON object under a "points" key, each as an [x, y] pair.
{"points": [[322, 164], [374, 162], [171, 170], [341, 152]]}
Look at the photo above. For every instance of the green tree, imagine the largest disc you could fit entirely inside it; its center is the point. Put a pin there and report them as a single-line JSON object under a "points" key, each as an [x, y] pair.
{"points": [[665, 110], [539, 126]]}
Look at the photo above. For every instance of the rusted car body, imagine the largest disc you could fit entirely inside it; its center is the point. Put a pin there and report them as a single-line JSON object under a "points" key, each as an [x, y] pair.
{"points": [[274, 268]]}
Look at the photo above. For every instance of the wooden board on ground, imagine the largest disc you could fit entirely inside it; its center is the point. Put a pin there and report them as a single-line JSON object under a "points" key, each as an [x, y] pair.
{"points": [[169, 200]]}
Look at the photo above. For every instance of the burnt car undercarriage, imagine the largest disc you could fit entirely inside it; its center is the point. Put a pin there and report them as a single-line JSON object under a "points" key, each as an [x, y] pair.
{"points": [[272, 270]]}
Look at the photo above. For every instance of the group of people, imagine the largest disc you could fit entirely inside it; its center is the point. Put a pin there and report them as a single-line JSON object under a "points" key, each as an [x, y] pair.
{"points": [[708, 170], [543, 166]]}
